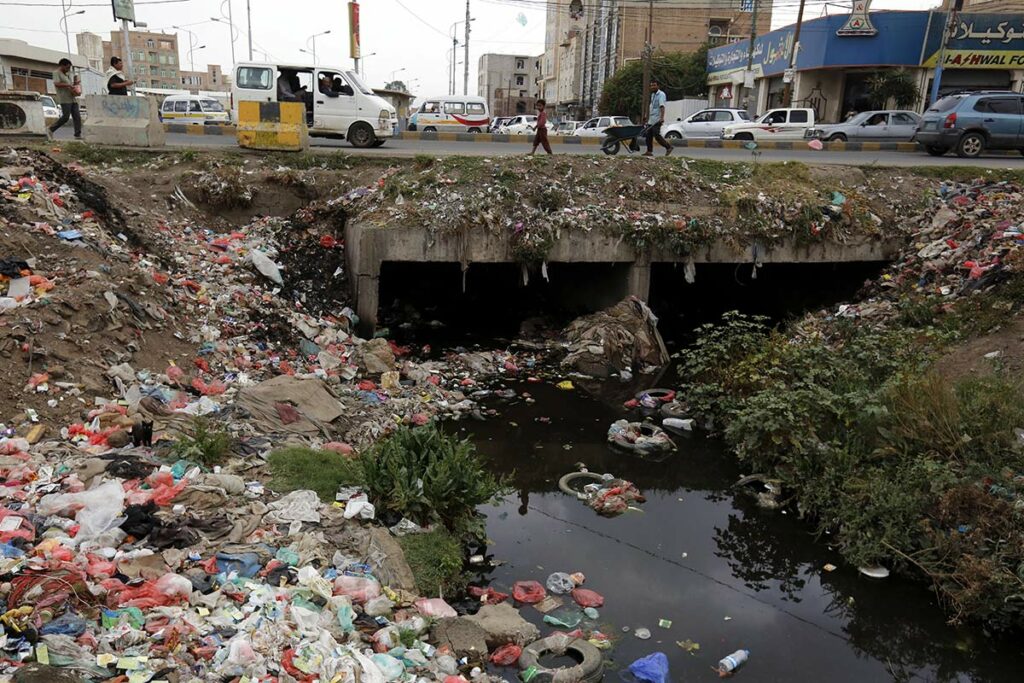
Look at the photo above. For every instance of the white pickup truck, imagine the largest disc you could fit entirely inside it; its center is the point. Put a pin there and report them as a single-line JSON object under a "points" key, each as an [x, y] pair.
{"points": [[774, 124]]}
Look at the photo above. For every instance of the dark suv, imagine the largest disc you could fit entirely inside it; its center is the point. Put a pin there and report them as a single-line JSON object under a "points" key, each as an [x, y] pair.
{"points": [[974, 122]]}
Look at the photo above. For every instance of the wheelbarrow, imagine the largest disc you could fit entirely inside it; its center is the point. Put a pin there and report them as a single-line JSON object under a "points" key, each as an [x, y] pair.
{"points": [[616, 137]]}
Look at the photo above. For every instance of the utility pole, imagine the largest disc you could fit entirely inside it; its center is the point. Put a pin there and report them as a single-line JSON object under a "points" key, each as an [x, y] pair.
{"points": [[128, 52], [645, 98], [231, 23], [248, 13], [951, 16], [787, 97], [750, 57], [465, 73]]}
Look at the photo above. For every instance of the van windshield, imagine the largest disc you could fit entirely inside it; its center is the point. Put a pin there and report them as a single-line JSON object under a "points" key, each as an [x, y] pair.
{"points": [[212, 105], [355, 80]]}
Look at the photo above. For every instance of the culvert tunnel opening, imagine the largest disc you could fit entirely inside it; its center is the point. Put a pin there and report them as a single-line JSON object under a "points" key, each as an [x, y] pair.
{"points": [[438, 303]]}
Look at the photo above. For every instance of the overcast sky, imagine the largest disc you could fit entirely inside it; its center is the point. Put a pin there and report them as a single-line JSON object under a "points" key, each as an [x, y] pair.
{"points": [[404, 34]]}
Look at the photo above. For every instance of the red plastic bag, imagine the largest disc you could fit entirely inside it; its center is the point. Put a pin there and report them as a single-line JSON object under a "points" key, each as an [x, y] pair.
{"points": [[488, 595], [587, 598], [529, 592], [506, 655]]}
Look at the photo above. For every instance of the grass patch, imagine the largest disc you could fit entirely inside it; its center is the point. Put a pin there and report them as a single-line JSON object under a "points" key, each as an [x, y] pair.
{"points": [[436, 560], [208, 444], [297, 468], [98, 155]]}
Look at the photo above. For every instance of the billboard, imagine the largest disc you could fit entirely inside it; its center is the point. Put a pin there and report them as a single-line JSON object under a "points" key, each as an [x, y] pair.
{"points": [[353, 30], [124, 9]]}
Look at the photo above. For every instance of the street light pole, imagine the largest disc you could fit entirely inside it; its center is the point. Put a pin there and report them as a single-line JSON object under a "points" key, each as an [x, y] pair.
{"points": [[64, 20], [787, 97], [465, 73], [313, 38], [231, 22], [648, 53], [248, 19]]}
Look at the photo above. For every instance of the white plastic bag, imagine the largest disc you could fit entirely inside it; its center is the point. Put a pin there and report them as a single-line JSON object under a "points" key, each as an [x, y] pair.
{"points": [[266, 266]]}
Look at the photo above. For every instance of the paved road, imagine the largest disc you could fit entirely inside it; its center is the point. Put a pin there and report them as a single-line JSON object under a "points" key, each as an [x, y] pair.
{"points": [[410, 148]]}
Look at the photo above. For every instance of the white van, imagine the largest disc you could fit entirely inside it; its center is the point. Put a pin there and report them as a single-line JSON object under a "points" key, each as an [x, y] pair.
{"points": [[451, 114], [343, 107], [193, 109]]}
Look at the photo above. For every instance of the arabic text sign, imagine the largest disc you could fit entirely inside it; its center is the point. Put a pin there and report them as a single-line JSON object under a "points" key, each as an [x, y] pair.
{"points": [[124, 9], [980, 59], [771, 54], [353, 30]]}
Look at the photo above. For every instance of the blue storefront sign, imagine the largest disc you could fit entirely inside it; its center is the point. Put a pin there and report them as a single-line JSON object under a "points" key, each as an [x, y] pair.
{"points": [[898, 42], [978, 41]]}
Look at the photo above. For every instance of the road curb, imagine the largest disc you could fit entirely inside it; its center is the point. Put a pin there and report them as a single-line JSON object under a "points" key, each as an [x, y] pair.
{"points": [[196, 129], [494, 137]]}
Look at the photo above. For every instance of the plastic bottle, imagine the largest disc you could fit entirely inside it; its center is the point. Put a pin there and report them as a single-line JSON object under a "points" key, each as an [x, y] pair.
{"points": [[728, 665]]}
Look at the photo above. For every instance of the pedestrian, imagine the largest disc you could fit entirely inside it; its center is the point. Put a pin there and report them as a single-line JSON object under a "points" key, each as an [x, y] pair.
{"points": [[117, 84], [654, 121], [69, 87], [540, 138]]}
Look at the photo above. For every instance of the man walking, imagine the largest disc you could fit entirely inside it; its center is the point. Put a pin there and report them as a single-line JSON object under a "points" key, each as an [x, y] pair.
{"points": [[655, 119], [68, 88]]}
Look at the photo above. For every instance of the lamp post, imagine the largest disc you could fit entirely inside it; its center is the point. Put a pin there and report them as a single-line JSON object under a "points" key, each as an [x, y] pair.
{"points": [[192, 40], [313, 38], [396, 71], [362, 62], [455, 44], [64, 21], [233, 30]]}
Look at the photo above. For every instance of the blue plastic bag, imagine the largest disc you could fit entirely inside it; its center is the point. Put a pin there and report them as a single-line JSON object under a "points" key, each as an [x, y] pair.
{"points": [[653, 668]]}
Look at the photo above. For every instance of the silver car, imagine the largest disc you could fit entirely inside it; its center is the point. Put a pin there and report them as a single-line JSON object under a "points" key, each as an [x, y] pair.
{"points": [[707, 123], [887, 125]]}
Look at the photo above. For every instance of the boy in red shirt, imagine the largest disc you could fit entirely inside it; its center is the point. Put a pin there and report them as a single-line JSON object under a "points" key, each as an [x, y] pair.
{"points": [[541, 137]]}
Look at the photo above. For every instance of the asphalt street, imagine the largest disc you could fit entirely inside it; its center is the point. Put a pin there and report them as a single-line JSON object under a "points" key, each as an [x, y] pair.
{"points": [[410, 148]]}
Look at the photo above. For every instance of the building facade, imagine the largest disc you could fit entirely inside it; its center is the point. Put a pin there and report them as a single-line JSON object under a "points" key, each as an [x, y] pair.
{"points": [[211, 80], [28, 68], [509, 83], [154, 58], [90, 46], [583, 50], [832, 74]]}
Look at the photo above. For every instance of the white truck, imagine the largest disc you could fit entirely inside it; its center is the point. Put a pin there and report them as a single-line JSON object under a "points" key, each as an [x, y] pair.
{"points": [[774, 124]]}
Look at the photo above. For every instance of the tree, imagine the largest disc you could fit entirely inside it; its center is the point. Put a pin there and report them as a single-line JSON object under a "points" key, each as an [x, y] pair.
{"points": [[897, 85], [397, 85], [679, 75]]}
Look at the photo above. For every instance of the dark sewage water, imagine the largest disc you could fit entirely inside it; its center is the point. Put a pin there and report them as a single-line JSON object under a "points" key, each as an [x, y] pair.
{"points": [[726, 574]]}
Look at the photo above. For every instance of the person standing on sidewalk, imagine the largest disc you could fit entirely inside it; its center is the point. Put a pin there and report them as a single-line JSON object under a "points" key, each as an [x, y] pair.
{"points": [[541, 136], [68, 87], [654, 121]]}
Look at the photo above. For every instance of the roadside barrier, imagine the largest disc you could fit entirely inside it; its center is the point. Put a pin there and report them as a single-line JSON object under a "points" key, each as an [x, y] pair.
{"points": [[123, 120], [277, 126]]}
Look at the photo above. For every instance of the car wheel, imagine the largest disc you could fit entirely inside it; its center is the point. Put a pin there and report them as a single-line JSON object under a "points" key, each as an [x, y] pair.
{"points": [[971, 145], [673, 135], [838, 137], [744, 136], [361, 135], [610, 146], [935, 150], [430, 129], [474, 130]]}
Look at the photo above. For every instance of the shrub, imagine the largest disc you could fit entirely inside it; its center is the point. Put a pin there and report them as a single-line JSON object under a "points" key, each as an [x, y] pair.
{"points": [[297, 468], [208, 444], [426, 475], [436, 560]]}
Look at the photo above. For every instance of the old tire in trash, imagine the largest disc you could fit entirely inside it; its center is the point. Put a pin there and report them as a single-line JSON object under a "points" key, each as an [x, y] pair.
{"points": [[589, 669], [563, 483], [672, 409], [647, 430], [663, 395]]}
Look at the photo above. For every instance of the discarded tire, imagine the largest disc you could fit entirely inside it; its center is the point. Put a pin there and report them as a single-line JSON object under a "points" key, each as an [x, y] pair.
{"points": [[588, 670], [663, 395], [673, 409], [563, 483], [639, 437]]}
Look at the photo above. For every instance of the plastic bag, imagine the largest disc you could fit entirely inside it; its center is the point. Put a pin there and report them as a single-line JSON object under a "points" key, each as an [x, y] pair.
{"points": [[560, 583], [266, 266], [435, 607], [360, 588], [99, 509], [506, 655], [390, 667], [378, 606], [564, 618], [653, 668], [587, 598], [529, 592], [488, 595]]}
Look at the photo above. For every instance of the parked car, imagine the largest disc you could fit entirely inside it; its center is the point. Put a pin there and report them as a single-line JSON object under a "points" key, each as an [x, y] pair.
{"points": [[497, 123], [882, 125], [707, 123], [524, 124], [594, 128], [774, 124], [971, 123], [567, 127], [51, 112]]}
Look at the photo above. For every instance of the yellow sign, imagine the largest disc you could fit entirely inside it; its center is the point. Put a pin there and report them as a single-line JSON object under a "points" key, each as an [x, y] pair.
{"points": [[979, 59]]}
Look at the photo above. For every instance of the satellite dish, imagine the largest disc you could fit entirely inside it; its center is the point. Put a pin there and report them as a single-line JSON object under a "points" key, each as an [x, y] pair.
{"points": [[521, 19]]}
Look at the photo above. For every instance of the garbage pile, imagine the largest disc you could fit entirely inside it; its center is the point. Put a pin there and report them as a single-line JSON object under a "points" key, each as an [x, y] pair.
{"points": [[615, 341], [970, 237], [606, 494], [639, 437]]}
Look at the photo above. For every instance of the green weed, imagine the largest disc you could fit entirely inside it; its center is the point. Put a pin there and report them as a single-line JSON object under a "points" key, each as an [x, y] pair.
{"points": [[436, 560], [208, 444], [297, 468]]}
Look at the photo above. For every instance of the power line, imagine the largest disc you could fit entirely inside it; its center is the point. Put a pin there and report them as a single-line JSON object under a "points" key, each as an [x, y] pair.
{"points": [[89, 4], [423, 21]]}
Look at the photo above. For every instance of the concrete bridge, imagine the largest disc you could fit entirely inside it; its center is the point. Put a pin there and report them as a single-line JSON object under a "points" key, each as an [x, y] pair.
{"points": [[368, 247]]}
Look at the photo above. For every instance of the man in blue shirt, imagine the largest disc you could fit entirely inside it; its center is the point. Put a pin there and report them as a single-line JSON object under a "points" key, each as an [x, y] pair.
{"points": [[655, 119]]}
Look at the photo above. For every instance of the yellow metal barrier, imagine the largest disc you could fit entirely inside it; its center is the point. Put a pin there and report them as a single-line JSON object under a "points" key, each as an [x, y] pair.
{"points": [[273, 126]]}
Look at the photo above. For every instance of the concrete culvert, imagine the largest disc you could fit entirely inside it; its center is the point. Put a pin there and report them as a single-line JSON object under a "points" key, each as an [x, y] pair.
{"points": [[588, 669]]}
